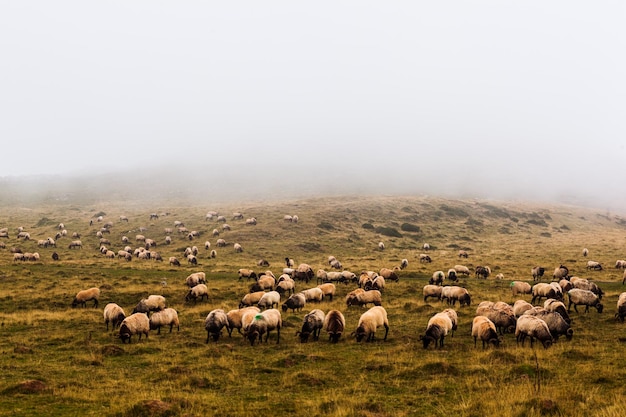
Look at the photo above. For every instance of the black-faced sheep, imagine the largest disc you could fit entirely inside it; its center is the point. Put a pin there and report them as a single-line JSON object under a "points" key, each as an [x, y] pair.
{"points": [[334, 323], [452, 275], [251, 299], [313, 294], [431, 290], [311, 325], [87, 295], [585, 251], [463, 254], [556, 323], [264, 323], [113, 314], [328, 290], [388, 274], [238, 248], [246, 273], [214, 322], [501, 314], [297, 301], [453, 294], [174, 261], [381, 246], [437, 278], [520, 307], [585, 298], [404, 263], [484, 329], [269, 300], [621, 307], [560, 272], [369, 322], [537, 272], [200, 291], [264, 282], [520, 287], [136, 323], [462, 270], [195, 278], [620, 264], [289, 263], [235, 318], [286, 285], [303, 272], [535, 328], [596, 266], [152, 303], [361, 298], [558, 307], [377, 283], [166, 317], [544, 290], [424, 258], [437, 328], [482, 272]]}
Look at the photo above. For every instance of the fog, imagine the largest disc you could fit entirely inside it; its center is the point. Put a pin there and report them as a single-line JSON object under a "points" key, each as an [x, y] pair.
{"points": [[491, 99]]}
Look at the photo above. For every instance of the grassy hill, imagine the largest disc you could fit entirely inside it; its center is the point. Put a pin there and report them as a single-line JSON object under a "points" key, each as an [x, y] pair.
{"points": [[61, 361]]}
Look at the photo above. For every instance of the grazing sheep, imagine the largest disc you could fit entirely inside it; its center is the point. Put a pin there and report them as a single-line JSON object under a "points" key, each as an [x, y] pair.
{"points": [[214, 322], [369, 322], [136, 323], [558, 307], [295, 302], [174, 261], [426, 246], [221, 243], [621, 307], [377, 283], [213, 253], [264, 323], [556, 323], [561, 272], [113, 314], [75, 244], [520, 307], [165, 317], [238, 248], [535, 328], [192, 260], [437, 278], [87, 295], [262, 262], [501, 314], [586, 298], [290, 263], [334, 323], [251, 299], [452, 275], [303, 272], [437, 328], [381, 246], [286, 285], [388, 274], [311, 324], [482, 272], [199, 291], [363, 298], [195, 278], [596, 266], [152, 303], [585, 284], [235, 318], [537, 272], [424, 258], [520, 287], [328, 290], [288, 218], [454, 317], [269, 300], [313, 294], [620, 264], [453, 294], [404, 263], [348, 276], [264, 282], [431, 290], [585, 251], [544, 290], [484, 329], [336, 264], [462, 270], [251, 221], [463, 254], [566, 285]]}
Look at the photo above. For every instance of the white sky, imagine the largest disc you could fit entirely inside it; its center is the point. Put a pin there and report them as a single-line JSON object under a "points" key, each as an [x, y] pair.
{"points": [[489, 95]]}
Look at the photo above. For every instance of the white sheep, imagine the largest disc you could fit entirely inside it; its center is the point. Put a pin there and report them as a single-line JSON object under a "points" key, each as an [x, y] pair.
{"points": [[500, 313], [585, 251], [520, 307], [200, 291], [560, 272], [165, 317], [454, 293], [113, 314], [152, 303], [174, 261], [269, 300], [334, 323], [484, 329], [586, 298], [195, 278], [596, 266], [264, 323], [520, 287], [313, 294], [544, 290], [437, 278], [251, 299], [137, 323], [462, 270], [296, 302], [286, 285], [264, 282], [214, 322], [431, 290], [311, 324], [556, 323], [381, 246], [369, 322], [361, 297], [404, 263], [238, 248], [328, 290], [437, 328], [533, 327], [621, 307], [235, 318], [87, 295], [558, 307]]}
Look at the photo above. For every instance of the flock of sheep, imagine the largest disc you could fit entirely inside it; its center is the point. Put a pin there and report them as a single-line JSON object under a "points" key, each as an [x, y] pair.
{"points": [[258, 313]]}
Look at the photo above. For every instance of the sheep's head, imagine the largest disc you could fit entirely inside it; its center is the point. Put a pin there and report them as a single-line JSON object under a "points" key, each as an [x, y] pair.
{"points": [[569, 334], [74, 302], [599, 307], [125, 333], [334, 337], [426, 340]]}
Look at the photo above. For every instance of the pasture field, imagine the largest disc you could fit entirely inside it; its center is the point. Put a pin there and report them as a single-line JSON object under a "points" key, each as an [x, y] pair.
{"points": [[60, 361]]}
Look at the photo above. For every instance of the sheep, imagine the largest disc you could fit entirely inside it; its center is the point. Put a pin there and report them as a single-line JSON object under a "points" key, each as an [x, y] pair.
{"points": [[199, 291], [482, 272], [620, 264], [328, 290], [452, 275], [238, 248], [585, 251], [437, 328], [585, 284], [544, 290], [264, 282], [195, 278], [251, 221], [213, 253], [152, 303], [287, 285], [174, 261], [192, 260], [432, 291], [113, 314], [303, 272], [565, 285], [313, 294], [262, 262], [334, 323], [18, 257], [501, 314], [290, 263], [621, 307], [165, 317], [251, 299], [520, 307], [535, 328], [453, 294], [404, 263], [311, 324], [75, 244], [596, 266], [140, 238], [426, 246], [264, 323], [87, 295], [556, 323], [369, 322], [462, 270], [578, 297], [288, 218], [381, 246], [424, 258], [235, 318], [377, 283], [365, 277], [437, 278], [388, 274], [454, 317], [295, 302], [484, 329], [269, 300], [364, 298], [560, 272], [336, 264], [537, 272], [136, 323], [558, 307], [520, 287], [221, 243], [348, 276], [214, 322]]}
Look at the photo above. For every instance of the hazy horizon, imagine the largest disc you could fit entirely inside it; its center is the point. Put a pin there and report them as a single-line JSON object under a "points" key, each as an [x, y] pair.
{"points": [[492, 99]]}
